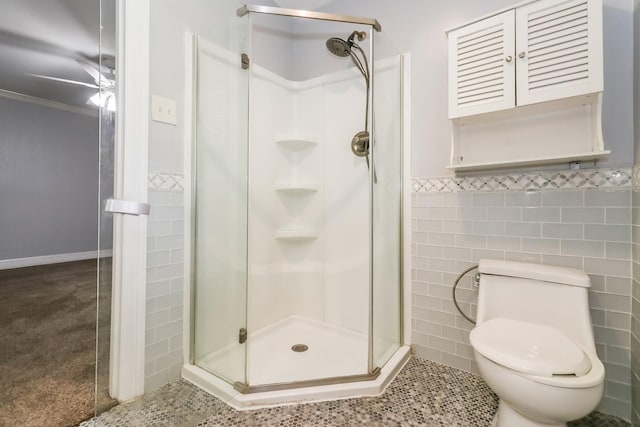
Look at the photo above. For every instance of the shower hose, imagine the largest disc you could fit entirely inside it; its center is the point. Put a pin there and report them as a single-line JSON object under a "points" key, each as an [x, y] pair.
{"points": [[455, 285]]}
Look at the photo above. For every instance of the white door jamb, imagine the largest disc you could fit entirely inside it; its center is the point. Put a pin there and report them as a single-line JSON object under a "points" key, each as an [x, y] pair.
{"points": [[126, 379]]}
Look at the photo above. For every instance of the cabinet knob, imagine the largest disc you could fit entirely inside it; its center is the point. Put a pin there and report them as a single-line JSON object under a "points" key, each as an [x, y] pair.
{"points": [[521, 55], [508, 58]]}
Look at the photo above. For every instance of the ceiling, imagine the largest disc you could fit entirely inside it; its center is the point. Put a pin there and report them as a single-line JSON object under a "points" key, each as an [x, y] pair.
{"points": [[47, 37]]}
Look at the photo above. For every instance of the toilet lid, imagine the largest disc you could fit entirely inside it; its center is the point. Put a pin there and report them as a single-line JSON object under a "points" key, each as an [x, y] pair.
{"points": [[529, 348]]}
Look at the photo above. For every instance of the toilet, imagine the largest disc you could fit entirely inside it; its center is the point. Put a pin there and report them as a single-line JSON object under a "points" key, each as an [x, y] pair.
{"points": [[534, 345]]}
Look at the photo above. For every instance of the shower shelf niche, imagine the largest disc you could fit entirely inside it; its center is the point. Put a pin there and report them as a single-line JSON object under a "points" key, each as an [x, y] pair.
{"points": [[296, 234], [295, 143], [297, 188]]}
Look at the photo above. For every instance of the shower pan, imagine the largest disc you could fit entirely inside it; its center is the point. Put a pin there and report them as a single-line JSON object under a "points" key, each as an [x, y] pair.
{"points": [[297, 248]]}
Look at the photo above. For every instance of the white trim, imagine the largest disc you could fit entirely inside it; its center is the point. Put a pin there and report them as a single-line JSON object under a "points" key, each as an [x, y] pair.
{"points": [[406, 196], [191, 46], [85, 111], [7, 264], [130, 232]]}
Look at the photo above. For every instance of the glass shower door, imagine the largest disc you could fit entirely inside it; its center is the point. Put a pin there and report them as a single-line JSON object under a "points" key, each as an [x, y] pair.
{"points": [[219, 236], [309, 230], [106, 117], [386, 199]]}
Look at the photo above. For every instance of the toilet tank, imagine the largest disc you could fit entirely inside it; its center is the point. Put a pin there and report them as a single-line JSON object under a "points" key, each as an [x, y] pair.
{"points": [[543, 294]]}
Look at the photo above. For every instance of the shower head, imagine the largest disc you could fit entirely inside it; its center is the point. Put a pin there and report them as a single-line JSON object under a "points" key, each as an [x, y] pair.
{"points": [[342, 48], [338, 47]]}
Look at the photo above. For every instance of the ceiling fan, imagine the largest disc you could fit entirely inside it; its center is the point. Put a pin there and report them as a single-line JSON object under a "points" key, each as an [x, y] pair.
{"points": [[105, 96]]}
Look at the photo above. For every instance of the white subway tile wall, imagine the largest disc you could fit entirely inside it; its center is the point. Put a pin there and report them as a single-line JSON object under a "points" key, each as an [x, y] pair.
{"points": [[635, 301], [165, 282], [586, 227]]}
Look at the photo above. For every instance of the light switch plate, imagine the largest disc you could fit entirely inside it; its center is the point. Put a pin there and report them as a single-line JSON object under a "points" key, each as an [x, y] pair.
{"points": [[163, 110]]}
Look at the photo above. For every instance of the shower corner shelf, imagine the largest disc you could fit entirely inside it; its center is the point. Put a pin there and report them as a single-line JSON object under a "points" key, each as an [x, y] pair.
{"points": [[295, 234], [296, 143], [297, 188]]}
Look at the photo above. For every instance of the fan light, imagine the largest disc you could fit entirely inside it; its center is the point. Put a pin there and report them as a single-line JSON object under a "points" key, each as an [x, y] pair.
{"points": [[104, 99]]}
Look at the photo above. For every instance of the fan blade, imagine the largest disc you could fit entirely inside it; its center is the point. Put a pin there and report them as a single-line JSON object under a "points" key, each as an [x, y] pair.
{"points": [[57, 79], [99, 78]]}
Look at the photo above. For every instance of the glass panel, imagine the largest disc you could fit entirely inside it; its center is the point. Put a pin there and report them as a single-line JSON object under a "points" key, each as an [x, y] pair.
{"points": [[106, 63], [309, 205], [220, 206], [48, 213], [387, 192]]}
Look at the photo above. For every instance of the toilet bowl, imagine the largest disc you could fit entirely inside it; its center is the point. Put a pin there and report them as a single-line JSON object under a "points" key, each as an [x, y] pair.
{"points": [[533, 376], [534, 345]]}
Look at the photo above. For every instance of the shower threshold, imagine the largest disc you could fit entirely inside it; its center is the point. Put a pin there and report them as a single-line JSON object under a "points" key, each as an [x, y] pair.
{"points": [[283, 376], [225, 391], [246, 389]]}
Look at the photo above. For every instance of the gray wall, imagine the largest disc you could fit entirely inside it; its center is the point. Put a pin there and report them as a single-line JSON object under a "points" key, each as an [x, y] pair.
{"points": [[48, 181], [636, 77], [217, 22]]}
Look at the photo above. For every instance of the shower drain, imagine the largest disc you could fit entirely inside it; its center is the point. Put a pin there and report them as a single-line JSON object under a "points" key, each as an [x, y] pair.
{"points": [[299, 348]]}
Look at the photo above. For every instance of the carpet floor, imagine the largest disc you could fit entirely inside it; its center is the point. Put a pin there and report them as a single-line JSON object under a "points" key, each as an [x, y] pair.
{"points": [[48, 341]]}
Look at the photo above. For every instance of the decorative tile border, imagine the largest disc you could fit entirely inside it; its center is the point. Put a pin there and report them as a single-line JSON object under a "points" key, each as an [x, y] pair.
{"points": [[547, 180], [166, 182], [554, 180]]}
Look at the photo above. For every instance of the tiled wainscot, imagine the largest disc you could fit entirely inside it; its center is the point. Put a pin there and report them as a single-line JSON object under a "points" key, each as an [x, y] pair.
{"points": [[579, 219], [165, 280], [635, 301]]}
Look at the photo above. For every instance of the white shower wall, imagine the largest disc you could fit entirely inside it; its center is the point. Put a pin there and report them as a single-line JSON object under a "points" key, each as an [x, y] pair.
{"points": [[324, 277]]}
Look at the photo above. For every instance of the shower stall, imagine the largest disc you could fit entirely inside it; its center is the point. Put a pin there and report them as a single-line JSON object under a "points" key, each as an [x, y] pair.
{"points": [[296, 173]]}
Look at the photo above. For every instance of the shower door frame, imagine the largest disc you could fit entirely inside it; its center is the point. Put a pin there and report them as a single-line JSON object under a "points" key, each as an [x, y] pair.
{"points": [[404, 219], [308, 14]]}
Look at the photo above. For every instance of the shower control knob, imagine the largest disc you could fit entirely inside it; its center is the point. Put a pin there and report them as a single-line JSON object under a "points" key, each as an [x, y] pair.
{"points": [[360, 144]]}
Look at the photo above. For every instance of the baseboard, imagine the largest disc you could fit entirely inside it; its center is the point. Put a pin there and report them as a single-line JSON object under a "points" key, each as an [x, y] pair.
{"points": [[52, 259]]}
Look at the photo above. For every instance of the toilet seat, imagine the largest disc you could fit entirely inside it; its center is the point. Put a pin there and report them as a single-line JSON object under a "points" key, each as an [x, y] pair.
{"points": [[535, 350]]}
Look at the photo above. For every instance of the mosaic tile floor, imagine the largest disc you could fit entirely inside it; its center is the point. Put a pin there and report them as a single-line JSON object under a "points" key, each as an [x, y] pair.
{"points": [[424, 394]]}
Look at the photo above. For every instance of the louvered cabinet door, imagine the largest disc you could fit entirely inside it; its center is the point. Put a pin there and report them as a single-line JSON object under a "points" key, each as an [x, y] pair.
{"points": [[559, 50], [481, 66]]}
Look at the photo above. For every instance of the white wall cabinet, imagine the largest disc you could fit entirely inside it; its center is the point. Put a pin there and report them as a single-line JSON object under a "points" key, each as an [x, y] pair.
{"points": [[559, 50], [525, 85], [482, 68]]}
